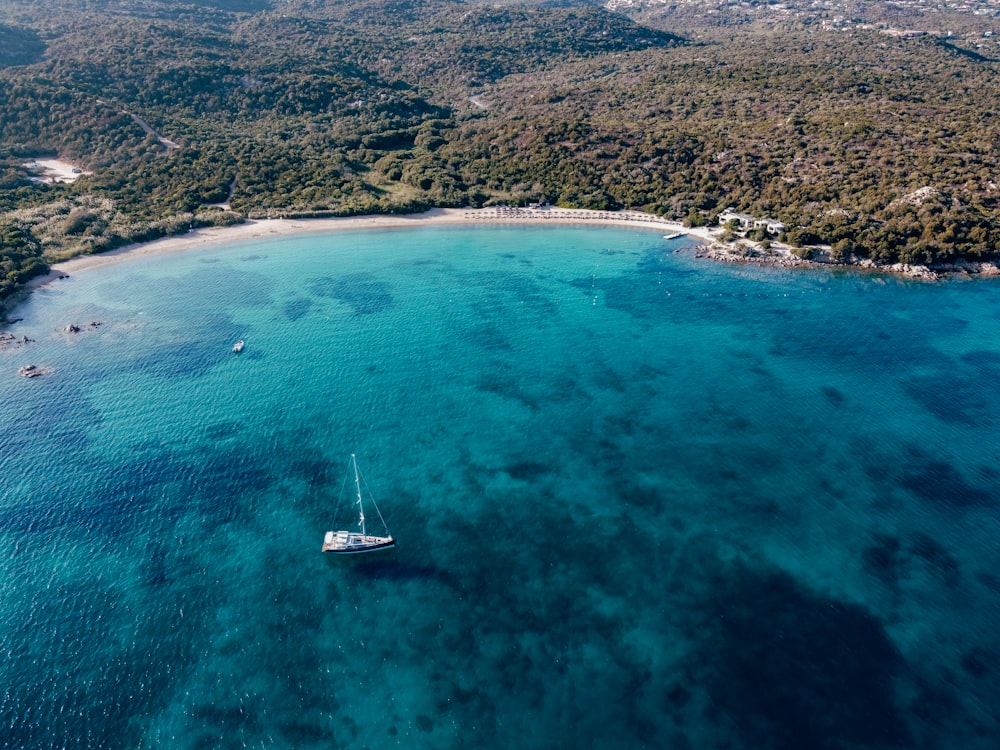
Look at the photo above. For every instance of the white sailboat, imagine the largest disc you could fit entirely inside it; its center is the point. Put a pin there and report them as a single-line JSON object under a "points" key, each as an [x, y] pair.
{"points": [[355, 542]]}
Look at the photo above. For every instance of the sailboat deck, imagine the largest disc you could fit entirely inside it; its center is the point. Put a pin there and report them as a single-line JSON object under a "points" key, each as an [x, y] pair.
{"points": [[348, 542]]}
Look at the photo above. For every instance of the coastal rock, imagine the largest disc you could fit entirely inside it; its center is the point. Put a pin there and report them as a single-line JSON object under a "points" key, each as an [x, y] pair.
{"points": [[33, 371], [988, 269], [746, 252], [914, 272], [899, 269], [74, 328], [10, 341], [750, 253]]}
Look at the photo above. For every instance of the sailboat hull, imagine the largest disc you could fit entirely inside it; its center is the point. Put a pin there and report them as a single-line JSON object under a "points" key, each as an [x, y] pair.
{"points": [[347, 543], [358, 542]]}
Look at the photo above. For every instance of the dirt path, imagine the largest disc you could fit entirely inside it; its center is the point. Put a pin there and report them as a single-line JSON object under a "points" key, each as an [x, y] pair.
{"points": [[170, 145]]}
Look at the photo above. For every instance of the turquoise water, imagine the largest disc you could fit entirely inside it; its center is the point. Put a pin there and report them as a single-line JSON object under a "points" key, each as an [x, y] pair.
{"points": [[641, 500]]}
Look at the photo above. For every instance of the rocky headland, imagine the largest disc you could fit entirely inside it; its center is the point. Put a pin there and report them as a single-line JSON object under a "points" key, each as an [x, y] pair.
{"points": [[746, 251]]}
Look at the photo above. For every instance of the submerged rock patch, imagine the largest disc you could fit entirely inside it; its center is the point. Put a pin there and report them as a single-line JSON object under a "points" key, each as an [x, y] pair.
{"points": [[790, 668], [362, 292]]}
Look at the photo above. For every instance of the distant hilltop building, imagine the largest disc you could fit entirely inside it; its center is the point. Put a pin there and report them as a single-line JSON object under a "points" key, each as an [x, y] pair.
{"points": [[904, 33], [746, 222]]}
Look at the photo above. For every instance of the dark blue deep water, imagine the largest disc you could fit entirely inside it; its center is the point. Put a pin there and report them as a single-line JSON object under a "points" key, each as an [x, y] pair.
{"points": [[642, 500]]}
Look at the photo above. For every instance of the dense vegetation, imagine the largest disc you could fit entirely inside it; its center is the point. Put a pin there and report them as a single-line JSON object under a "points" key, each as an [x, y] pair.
{"points": [[878, 146], [19, 46], [20, 257]]}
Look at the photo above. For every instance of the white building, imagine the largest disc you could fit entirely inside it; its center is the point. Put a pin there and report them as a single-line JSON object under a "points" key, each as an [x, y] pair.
{"points": [[746, 222]]}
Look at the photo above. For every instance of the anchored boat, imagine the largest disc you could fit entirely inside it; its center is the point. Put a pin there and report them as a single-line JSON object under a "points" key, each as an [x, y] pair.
{"points": [[356, 542]]}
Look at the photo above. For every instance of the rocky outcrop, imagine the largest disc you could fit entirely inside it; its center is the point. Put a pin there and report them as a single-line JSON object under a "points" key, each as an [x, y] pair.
{"points": [[914, 272], [988, 269], [10, 341], [74, 328], [901, 269], [33, 371], [744, 251]]}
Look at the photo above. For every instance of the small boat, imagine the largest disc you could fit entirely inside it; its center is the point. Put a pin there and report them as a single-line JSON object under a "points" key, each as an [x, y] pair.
{"points": [[355, 542], [674, 236], [238, 346]]}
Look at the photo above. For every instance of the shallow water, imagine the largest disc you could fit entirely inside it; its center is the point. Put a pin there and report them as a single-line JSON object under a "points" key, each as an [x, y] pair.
{"points": [[642, 500]]}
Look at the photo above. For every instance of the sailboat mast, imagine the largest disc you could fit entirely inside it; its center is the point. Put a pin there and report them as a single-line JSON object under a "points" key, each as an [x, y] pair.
{"points": [[357, 483]]}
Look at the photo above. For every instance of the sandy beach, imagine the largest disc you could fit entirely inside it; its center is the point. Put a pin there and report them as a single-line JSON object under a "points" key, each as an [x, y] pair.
{"points": [[212, 236], [54, 170], [741, 251]]}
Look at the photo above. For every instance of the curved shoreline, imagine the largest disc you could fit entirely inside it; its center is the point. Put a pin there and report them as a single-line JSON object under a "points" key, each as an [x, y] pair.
{"points": [[260, 228], [742, 251], [250, 229]]}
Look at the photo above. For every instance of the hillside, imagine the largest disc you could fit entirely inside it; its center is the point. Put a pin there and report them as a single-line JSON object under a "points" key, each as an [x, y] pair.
{"points": [[307, 107]]}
